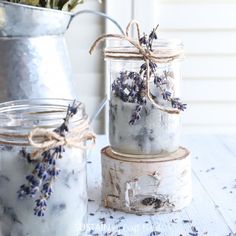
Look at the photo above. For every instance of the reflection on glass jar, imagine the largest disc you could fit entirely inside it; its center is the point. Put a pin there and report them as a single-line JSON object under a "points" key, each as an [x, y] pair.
{"points": [[136, 124], [52, 186]]}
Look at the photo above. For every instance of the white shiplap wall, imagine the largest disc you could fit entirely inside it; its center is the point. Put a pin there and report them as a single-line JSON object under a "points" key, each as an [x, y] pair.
{"points": [[208, 29], [88, 70]]}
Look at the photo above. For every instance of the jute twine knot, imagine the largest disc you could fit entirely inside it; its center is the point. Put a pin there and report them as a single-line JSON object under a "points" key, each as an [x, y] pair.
{"points": [[44, 139], [148, 56]]}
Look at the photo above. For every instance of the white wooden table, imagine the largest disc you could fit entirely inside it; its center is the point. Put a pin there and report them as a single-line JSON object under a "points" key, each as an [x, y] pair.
{"points": [[211, 213]]}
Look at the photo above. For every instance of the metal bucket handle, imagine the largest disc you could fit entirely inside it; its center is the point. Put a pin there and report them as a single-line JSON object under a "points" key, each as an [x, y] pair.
{"points": [[98, 13], [104, 15]]}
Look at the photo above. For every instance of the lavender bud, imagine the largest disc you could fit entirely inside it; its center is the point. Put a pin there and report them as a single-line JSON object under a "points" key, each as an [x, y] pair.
{"points": [[153, 35], [41, 202], [54, 172], [47, 189], [73, 109], [131, 122], [166, 95], [138, 108], [143, 40], [143, 68], [38, 211], [157, 80], [152, 66]]}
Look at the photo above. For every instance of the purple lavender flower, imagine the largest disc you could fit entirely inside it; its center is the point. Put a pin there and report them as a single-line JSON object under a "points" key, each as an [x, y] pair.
{"points": [[153, 35], [182, 107], [45, 171], [157, 80], [166, 95], [23, 191], [152, 66], [54, 171], [136, 115], [39, 211], [43, 174], [131, 86], [41, 206], [143, 40], [42, 202], [143, 68], [47, 189]]}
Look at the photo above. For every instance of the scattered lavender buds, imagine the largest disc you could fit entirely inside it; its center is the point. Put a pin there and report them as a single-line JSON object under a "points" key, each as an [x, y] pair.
{"points": [[45, 172], [131, 86], [155, 233]]}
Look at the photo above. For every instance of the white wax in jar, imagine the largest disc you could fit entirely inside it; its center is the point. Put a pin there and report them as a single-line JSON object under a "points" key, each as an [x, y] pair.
{"points": [[67, 207]]}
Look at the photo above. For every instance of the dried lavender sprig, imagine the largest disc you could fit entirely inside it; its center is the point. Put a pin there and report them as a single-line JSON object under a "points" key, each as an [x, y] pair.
{"points": [[136, 115], [148, 42], [131, 87], [48, 173], [45, 170], [175, 102]]}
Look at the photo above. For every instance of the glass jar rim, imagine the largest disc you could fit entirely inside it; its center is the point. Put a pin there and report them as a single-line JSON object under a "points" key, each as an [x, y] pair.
{"points": [[164, 49], [19, 117]]}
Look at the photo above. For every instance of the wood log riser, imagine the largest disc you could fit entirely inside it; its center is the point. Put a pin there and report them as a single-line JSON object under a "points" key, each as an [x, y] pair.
{"points": [[160, 184]]}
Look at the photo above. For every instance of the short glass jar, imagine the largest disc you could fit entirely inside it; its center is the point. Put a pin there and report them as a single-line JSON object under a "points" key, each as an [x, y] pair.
{"points": [[136, 125], [66, 209]]}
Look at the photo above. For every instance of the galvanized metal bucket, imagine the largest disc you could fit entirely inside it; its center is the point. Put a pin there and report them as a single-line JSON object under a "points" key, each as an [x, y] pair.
{"points": [[34, 61]]}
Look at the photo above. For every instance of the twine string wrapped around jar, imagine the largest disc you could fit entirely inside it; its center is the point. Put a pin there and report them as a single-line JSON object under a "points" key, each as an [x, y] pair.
{"points": [[44, 139], [144, 54]]}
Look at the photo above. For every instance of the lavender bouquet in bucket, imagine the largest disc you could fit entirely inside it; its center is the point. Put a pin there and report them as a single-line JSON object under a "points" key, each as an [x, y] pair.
{"points": [[64, 5]]}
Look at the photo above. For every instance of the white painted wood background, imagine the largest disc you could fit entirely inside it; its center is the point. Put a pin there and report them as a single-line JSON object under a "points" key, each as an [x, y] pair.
{"points": [[88, 69], [208, 29]]}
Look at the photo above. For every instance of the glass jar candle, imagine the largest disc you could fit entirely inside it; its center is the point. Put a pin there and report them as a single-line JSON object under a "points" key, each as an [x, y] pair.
{"points": [[136, 124], [47, 195]]}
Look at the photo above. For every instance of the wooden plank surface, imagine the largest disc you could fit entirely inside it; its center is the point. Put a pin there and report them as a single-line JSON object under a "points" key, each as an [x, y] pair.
{"points": [[214, 166], [212, 211]]}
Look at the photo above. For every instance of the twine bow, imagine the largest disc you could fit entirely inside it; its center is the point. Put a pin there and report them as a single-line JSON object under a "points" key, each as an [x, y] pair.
{"points": [[44, 139], [147, 57]]}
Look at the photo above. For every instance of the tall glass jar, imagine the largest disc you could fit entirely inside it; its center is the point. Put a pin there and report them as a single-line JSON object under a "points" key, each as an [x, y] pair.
{"points": [[66, 206], [136, 125]]}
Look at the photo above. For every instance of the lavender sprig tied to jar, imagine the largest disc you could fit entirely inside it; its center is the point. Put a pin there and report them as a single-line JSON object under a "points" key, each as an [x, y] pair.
{"points": [[43, 144], [45, 171], [144, 117]]}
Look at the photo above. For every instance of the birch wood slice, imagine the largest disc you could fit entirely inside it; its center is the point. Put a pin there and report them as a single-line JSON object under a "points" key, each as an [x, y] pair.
{"points": [[160, 184]]}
